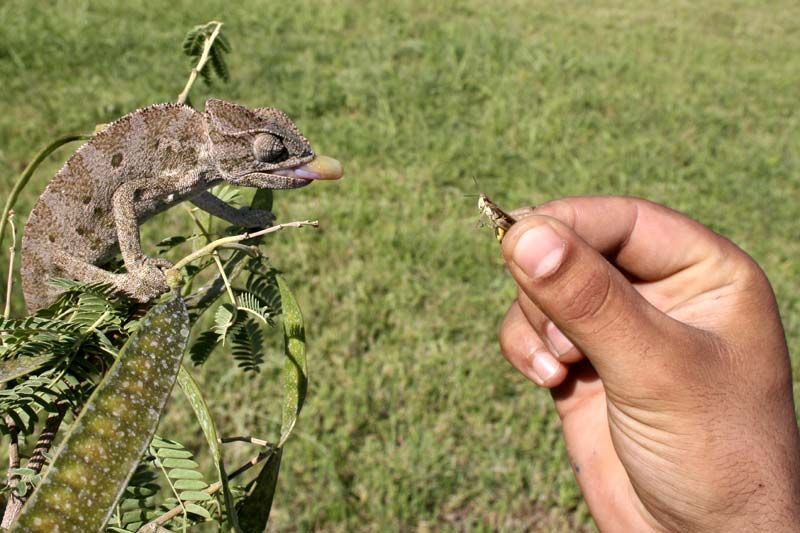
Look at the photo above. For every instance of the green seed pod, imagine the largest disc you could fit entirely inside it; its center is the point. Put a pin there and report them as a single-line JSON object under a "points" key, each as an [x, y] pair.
{"points": [[99, 454]]}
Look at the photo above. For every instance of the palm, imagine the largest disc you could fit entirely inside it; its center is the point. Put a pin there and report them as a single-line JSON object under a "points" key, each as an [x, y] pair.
{"points": [[588, 427]]}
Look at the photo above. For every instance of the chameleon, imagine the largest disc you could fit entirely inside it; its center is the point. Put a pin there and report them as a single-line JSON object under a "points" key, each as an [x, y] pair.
{"points": [[144, 163]]}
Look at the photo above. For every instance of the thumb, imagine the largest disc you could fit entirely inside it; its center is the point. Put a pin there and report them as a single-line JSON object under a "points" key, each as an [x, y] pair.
{"points": [[590, 301]]}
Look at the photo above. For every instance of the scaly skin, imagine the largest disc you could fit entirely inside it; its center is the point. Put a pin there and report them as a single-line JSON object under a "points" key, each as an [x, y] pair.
{"points": [[143, 164]]}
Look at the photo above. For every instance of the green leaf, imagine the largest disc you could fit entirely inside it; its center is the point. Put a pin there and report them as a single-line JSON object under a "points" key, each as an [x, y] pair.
{"points": [[196, 509], [190, 484], [192, 391], [22, 366], [104, 445], [262, 199], [160, 444], [170, 242], [249, 303], [223, 320], [254, 510], [174, 454], [203, 346], [181, 473], [194, 495], [295, 370], [180, 463], [247, 345]]}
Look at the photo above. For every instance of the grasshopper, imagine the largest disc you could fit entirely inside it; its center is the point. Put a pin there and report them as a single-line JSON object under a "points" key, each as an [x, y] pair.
{"points": [[499, 219]]}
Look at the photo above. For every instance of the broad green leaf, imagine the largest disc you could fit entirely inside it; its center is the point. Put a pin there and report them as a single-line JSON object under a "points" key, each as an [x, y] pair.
{"points": [[21, 366], [167, 453], [179, 463], [255, 508], [192, 391], [190, 484], [196, 509], [194, 495], [295, 370], [180, 473], [262, 199], [100, 452]]}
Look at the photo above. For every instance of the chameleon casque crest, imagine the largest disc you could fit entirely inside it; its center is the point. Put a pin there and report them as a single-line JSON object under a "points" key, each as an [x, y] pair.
{"points": [[143, 164]]}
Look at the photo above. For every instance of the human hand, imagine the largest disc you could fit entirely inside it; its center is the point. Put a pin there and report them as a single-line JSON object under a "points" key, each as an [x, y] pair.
{"points": [[663, 346]]}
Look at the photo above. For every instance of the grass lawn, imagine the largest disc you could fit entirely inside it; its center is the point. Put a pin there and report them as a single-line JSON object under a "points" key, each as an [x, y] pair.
{"points": [[414, 420]]}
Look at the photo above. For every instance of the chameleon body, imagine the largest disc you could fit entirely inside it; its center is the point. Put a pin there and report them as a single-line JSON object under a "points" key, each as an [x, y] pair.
{"points": [[143, 164]]}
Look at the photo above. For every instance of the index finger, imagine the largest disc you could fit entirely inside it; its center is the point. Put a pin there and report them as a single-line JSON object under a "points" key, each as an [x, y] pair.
{"points": [[643, 238]]}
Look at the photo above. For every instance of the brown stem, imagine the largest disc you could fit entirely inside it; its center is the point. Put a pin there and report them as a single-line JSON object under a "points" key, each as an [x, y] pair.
{"points": [[35, 463], [11, 253], [51, 425], [14, 504], [251, 440]]}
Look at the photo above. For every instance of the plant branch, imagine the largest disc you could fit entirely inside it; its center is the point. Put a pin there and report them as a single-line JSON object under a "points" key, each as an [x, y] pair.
{"points": [[201, 63], [14, 503], [210, 247], [11, 252], [251, 440], [228, 287], [46, 438], [35, 463]]}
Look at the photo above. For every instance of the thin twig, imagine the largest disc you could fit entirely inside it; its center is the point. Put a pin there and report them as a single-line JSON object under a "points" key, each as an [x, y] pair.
{"points": [[210, 247], [14, 504], [251, 440], [11, 252], [228, 287], [201, 63], [211, 489]]}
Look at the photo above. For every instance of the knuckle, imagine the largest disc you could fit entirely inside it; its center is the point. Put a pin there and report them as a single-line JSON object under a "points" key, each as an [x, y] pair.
{"points": [[587, 297], [561, 210]]}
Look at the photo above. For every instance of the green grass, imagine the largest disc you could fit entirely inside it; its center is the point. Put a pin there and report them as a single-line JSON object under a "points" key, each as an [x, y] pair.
{"points": [[414, 421]]}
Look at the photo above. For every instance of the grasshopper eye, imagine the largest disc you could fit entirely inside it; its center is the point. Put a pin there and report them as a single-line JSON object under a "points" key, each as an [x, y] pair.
{"points": [[269, 149]]}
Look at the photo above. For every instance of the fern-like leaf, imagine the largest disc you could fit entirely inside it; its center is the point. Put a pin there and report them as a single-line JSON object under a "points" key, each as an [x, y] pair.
{"points": [[183, 475], [136, 507], [203, 346], [218, 63], [223, 320], [247, 345], [249, 303], [194, 44]]}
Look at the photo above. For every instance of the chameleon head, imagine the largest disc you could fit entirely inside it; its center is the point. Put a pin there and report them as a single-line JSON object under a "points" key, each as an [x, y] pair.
{"points": [[263, 148]]}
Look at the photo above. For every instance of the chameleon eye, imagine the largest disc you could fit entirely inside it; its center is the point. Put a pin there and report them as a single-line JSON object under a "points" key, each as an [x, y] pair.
{"points": [[269, 149]]}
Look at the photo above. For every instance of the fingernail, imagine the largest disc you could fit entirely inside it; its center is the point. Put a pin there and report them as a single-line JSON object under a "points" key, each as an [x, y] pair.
{"points": [[544, 365], [558, 341], [539, 251]]}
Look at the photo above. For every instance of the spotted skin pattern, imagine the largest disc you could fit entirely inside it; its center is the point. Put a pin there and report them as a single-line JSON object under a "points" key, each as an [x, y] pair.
{"points": [[141, 165], [92, 466]]}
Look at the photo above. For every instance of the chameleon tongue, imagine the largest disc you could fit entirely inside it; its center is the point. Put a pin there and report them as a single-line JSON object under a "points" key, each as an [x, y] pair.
{"points": [[320, 168]]}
